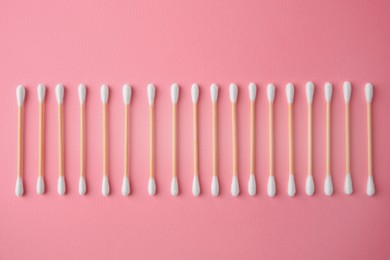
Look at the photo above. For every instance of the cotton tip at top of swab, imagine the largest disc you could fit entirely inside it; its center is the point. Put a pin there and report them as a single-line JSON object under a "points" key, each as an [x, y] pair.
{"points": [[174, 93], [151, 186], [195, 93], [82, 186], [125, 186], [271, 92], [20, 95], [19, 190], [151, 93], [105, 186], [370, 186], [348, 184], [214, 186], [214, 92], [174, 186], [328, 185], [41, 89], [82, 93], [271, 187], [61, 185], [252, 185], [347, 91], [309, 92], [369, 90], [233, 91], [195, 186], [59, 93], [328, 92], [252, 91], [290, 93], [309, 185], [104, 93], [40, 185], [126, 94]]}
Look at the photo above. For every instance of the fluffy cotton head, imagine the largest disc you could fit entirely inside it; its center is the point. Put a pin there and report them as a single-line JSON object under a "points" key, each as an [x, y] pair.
{"points": [[82, 186], [291, 186], [60, 93], [369, 89], [328, 91], [233, 92], [214, 92], [82, 93], [151, 93], [290, 93], [61, 185], [309, 92], [174, 187], [125, 186], [104, 93], [105, 186], [347, 91], [252, 91], [348, 184], [370, 186], [195, 93], [152, 186], [20, 95], [235, 188], [252, 185], [271, 92], [126, 94], [41, 89], [328, 185], [19, 190], [309, 185], [40, 185], [174, 93], [271, 187], [195, 186], [214, 186]]}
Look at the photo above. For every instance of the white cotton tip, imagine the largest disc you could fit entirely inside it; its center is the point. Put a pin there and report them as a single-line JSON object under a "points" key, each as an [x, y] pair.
{"points": [[195, 186], [104, 93], [214, 92], [370, 186], [151, 186], [347, 91], [291, 186], [369, 89], [19, 190], [348, 184], [290, 93], [125, 186], [151, 93], [20, 95], [328, 92], [174, 93], [309, 185], [105, 186], [82, 186], [271, 92], [40, 185], [174, 186], [82, 93], [233, 92], [252, 185], [126, 94], [195, 93], [328, 185], [235, 188], [59, 93], [61, 185], [214, 186], [252, 91], [271, 186], [41, 89], [309, 92]]}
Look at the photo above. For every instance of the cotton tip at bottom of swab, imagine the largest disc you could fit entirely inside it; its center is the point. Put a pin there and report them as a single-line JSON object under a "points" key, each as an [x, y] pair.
{"points": [[328, 185], [291, 186], [235, 188], [348, 184], [370, 186], [151, 186], [214, 186], [271, 187], [125, 186], [19, 190], [105, 186], [40, 185], [252, 185], [61, 185], [174, 186], [82, 186], [309, 185], [195, 186]]}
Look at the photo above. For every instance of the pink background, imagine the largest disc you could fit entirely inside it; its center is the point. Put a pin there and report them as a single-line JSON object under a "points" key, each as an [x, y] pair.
{"points": [[140, 42]]}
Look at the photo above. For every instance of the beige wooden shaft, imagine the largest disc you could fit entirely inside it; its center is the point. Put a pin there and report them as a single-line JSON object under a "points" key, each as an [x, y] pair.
{"points": [[151, 140], [82, 140], [215, 166], [328, 138], [369, 135], [310, 141], [41, 141], [126, 148], [105, 141], [195, 118], [271, 139], [234, 138], [290, 138], [20, 142], [347, 140], [60, 141], [174, 137], [252, 139]]}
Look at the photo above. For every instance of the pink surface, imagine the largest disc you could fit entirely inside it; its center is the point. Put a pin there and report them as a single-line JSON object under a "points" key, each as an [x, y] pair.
{"points": [[194, 41]]}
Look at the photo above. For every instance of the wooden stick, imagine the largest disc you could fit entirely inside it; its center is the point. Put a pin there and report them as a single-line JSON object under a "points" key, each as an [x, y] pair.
{"points": [[214, 126], [369, 135], [290, 141], [310, 141], [82, 140], [60, 140], [252, 138], [105, 141], [40, 145], [271, 139], [328, 138], [347, 140], [234, 138], [174, 141], [126, 151], [151, 138], [20, 142], [195, 118]]}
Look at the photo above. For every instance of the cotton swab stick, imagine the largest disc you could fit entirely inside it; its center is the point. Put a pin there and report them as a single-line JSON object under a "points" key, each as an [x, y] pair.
{"points": [[369, 91], [152, 183], [20, 96], [214, 99], [82, 95], [195, 181], [309, 179], [175, 97], [41, 89], [271, 187], [348, 180], [252, 181], [233, 91], [61, 178], [126, 100], [290, 99], [328, 180], [105, 183]]}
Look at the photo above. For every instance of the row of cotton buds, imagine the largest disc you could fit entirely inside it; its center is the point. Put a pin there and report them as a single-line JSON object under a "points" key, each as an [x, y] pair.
{"points": [[233, 92]]}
